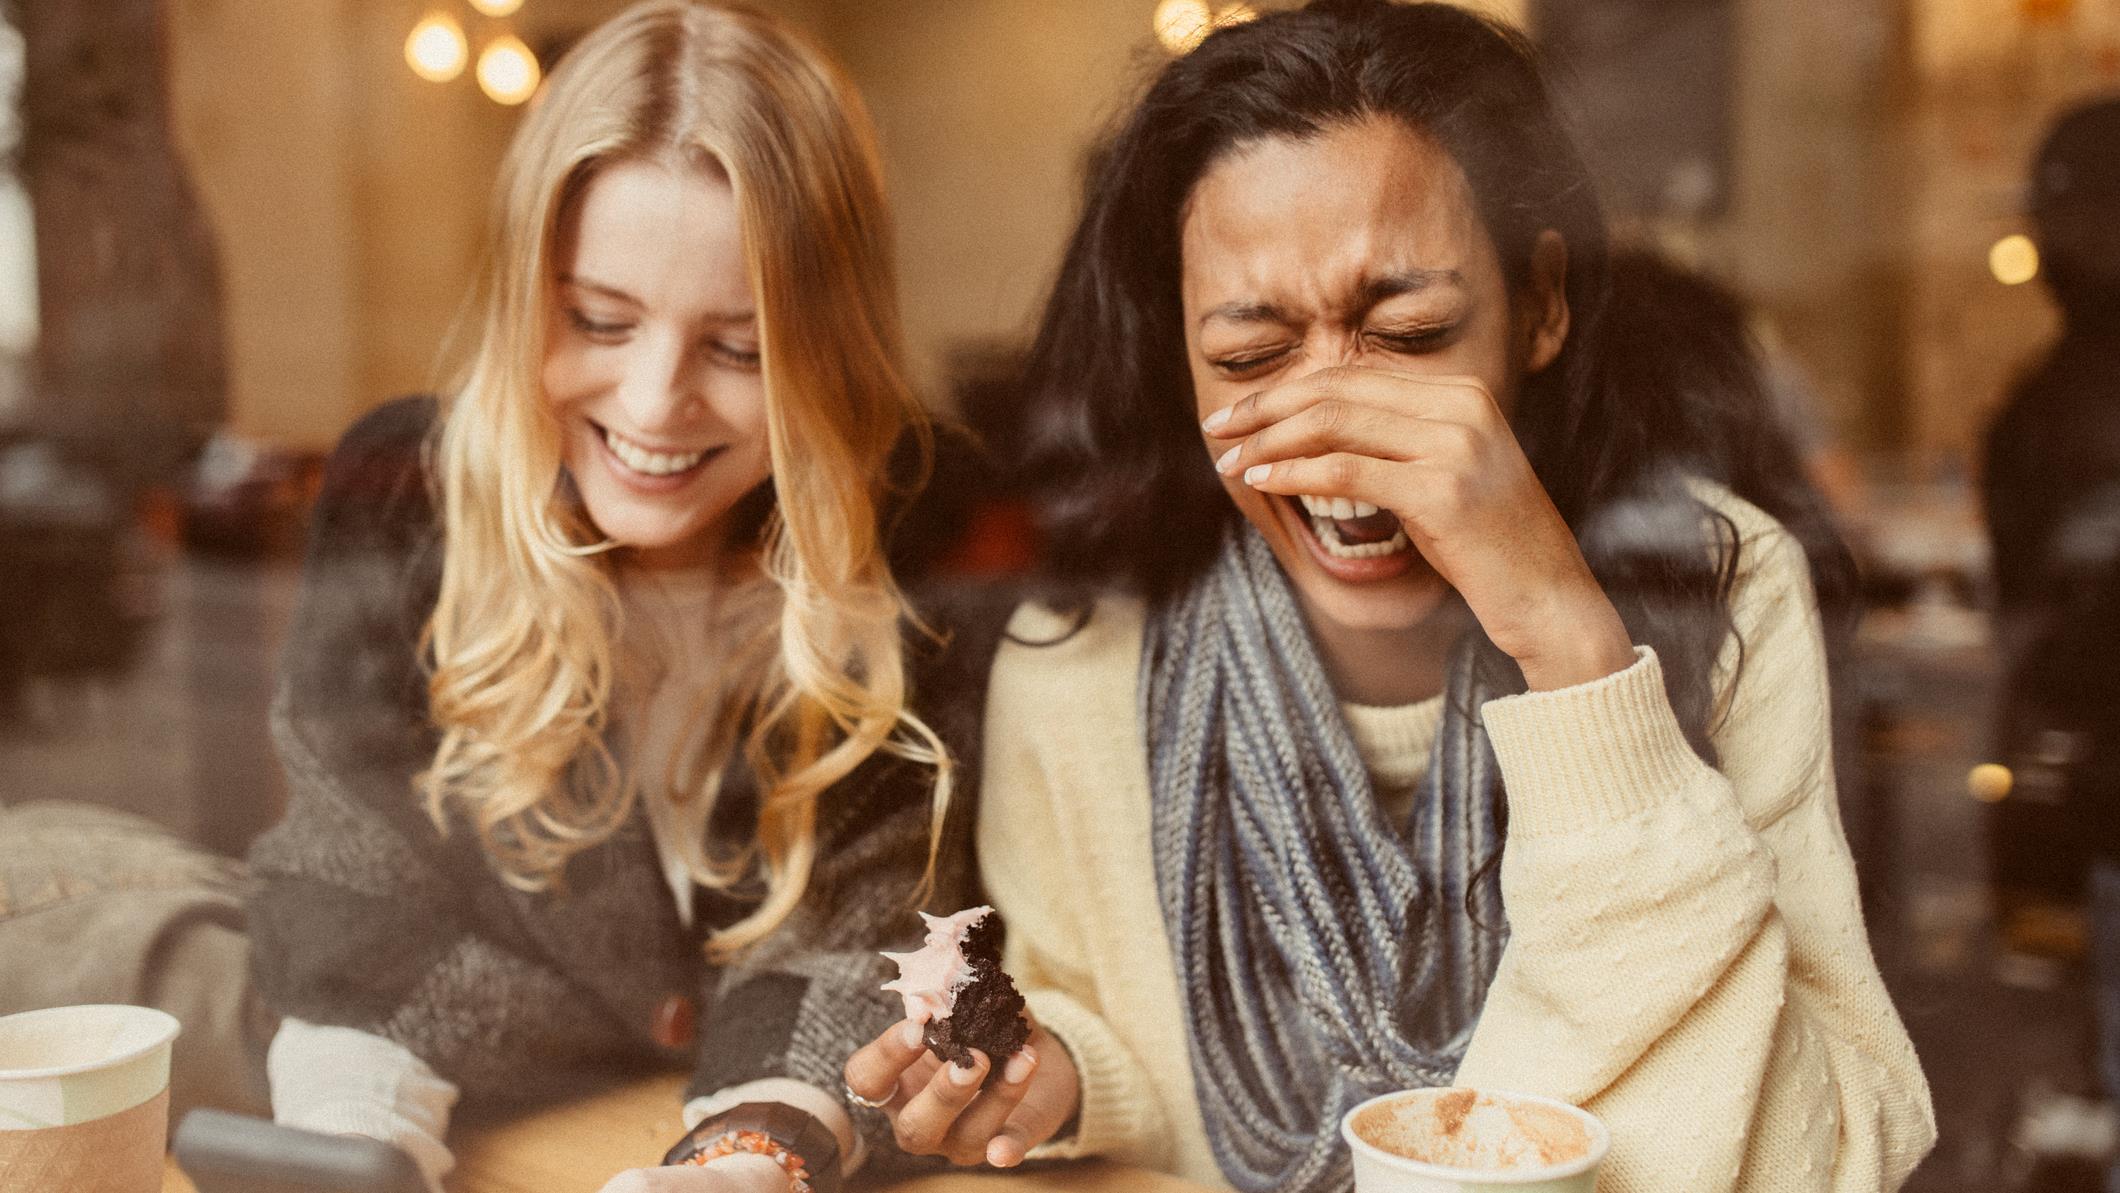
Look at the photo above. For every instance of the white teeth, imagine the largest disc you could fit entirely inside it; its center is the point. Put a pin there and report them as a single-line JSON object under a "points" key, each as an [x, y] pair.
{"points": [[1334, 507], [645, 462], [1329, 537]]}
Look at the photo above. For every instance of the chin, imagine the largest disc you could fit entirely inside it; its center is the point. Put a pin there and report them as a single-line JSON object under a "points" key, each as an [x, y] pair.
{"points": [[642, 530], [1394, 607]]}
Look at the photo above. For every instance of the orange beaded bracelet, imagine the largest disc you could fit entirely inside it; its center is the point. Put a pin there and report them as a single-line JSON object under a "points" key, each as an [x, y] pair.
{"points": [[803, 1146], [758, 1143]]}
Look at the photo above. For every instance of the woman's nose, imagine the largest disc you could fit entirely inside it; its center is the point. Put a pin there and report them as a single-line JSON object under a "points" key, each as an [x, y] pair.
{"points": [[1334, 349], [661, 391]]}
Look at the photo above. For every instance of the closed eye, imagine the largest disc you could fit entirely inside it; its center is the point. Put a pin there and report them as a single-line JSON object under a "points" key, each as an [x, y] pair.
{"points": [[602, 331], [1417, 340], [1245, 364], [737, 356]]}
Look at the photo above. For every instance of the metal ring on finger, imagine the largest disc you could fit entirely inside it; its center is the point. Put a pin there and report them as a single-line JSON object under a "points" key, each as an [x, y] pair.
{"points": [[866, 1103]]}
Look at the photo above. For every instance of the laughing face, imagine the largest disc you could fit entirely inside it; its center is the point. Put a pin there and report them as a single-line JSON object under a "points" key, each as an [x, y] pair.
{"points": [[652, 359], [1357, 246]]}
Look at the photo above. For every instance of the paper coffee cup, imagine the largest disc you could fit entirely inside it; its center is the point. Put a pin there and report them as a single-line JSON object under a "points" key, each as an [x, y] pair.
{"points": [[1387, 1134], [84, 1099]]}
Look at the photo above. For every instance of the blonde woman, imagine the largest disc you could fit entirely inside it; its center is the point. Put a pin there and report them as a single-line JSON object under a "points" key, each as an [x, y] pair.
{"points": [[596, 710]]}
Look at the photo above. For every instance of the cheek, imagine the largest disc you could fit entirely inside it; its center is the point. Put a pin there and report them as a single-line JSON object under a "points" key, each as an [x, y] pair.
{"points": [[740, 406], [743, 405], [566, 377]]}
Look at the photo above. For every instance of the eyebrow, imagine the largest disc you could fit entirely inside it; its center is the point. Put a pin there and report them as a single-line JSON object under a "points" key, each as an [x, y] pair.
{"points": [[582, 283], [608, 291], [1372, 292]]}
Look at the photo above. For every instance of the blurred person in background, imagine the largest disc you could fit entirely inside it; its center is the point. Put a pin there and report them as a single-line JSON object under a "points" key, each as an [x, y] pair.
{"points": [[2052, 499], [1432, 688], [596, 711]]}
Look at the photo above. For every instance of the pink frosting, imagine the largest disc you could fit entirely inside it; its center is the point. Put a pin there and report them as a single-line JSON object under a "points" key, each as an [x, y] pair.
{"points": [[930, 976]]}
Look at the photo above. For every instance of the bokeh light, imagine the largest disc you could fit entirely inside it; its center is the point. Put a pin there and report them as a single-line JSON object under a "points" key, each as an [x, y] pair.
{"points": [[2014, 260], [507, 71], [435, 49], [496, 8], [1182, 24], [1990, 782]]}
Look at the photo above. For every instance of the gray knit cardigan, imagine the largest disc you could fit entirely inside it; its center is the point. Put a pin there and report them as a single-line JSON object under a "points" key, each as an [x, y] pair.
{"points": [[367, 917]]}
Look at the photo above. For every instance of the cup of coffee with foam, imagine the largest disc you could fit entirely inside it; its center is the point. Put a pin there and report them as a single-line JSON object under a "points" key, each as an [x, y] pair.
{"points": [[1473, 1141]]}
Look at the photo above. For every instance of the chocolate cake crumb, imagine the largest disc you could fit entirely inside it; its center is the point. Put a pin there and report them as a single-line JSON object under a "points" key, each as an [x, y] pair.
{"points": [[988, 1014]]}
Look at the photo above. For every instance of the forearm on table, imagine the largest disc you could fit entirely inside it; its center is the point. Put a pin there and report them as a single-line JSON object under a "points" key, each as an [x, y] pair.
{"points": [[344, 1081], [819, 1104]]}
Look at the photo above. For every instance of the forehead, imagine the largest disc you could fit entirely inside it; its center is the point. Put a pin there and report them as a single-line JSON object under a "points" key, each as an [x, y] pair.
{"points": [[655, 230], [1312, 222]]}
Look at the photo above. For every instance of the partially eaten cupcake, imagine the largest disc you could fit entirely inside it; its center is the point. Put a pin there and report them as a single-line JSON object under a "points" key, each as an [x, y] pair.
{"points": [[954, 985]]}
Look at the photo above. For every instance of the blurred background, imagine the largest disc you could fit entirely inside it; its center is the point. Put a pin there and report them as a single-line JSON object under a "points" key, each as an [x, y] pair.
{"points": [[230, 227]]}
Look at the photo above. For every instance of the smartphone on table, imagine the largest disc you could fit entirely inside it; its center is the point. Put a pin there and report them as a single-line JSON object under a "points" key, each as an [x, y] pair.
{"points": [[235, 1153]]}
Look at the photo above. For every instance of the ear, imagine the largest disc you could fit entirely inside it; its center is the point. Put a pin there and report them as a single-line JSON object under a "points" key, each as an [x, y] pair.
{"points": [[1546, 302]]}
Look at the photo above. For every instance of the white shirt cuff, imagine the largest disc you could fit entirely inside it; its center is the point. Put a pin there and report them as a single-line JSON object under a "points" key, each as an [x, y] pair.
{"points": [[343, 1081]]}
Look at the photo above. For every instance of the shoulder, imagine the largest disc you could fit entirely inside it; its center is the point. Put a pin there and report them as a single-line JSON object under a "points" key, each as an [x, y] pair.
{"points": [[1060, 659], [1771, 721], [950, 648], [390, 439], [1062, 638], [376, 483], [1769, 559]]}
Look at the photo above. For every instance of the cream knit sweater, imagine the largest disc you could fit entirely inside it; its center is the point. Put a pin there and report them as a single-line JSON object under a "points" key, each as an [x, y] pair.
{"points": [[1687, 956]]}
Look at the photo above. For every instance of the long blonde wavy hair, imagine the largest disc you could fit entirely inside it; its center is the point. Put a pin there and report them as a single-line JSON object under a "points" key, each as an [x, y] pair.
{"points": [[522, 644]]}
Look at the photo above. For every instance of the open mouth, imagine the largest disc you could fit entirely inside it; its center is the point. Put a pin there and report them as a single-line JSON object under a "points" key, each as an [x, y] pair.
{"points": [[648, 463], [1350, 529]]}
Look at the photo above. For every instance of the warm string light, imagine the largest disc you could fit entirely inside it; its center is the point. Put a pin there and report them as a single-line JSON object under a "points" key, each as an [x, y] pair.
{"points": [[2014, 260], [435, 49], [1990, 782], [1181, 25], [507, 71]]}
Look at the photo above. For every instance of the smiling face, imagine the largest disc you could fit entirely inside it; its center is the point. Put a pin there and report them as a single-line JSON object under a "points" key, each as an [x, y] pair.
{"points": [[1357, 246], [652, 359]]}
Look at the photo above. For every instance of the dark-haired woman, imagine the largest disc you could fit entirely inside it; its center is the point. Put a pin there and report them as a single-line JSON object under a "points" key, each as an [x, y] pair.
{"points": [[1449, 701]]}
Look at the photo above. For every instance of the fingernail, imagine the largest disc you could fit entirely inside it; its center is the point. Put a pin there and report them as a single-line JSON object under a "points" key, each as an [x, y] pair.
{"points": [[962, 1074], [1216, 421], [1019, 1066], [910, 1034], [1228, 460], [1256, 473]]}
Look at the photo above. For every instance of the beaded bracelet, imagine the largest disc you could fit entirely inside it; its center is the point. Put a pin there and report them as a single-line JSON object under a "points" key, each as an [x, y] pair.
{"points": [[804, 1148], [758, 1143]]}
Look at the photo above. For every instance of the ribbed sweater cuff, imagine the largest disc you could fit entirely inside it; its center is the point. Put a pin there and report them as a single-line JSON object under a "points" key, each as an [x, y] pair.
{"points": [[1578, 757], [1119, 1113]]}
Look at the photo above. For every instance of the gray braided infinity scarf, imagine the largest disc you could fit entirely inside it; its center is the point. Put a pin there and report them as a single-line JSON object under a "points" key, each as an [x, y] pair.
{"points": [[1325, 954]]}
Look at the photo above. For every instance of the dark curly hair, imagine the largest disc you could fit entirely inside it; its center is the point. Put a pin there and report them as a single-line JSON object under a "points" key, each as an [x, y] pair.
{"points": [[1646, 391]]}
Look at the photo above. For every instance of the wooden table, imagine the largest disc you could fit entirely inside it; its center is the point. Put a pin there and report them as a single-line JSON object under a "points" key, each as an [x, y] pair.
{"points": [[575, 1147]]}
